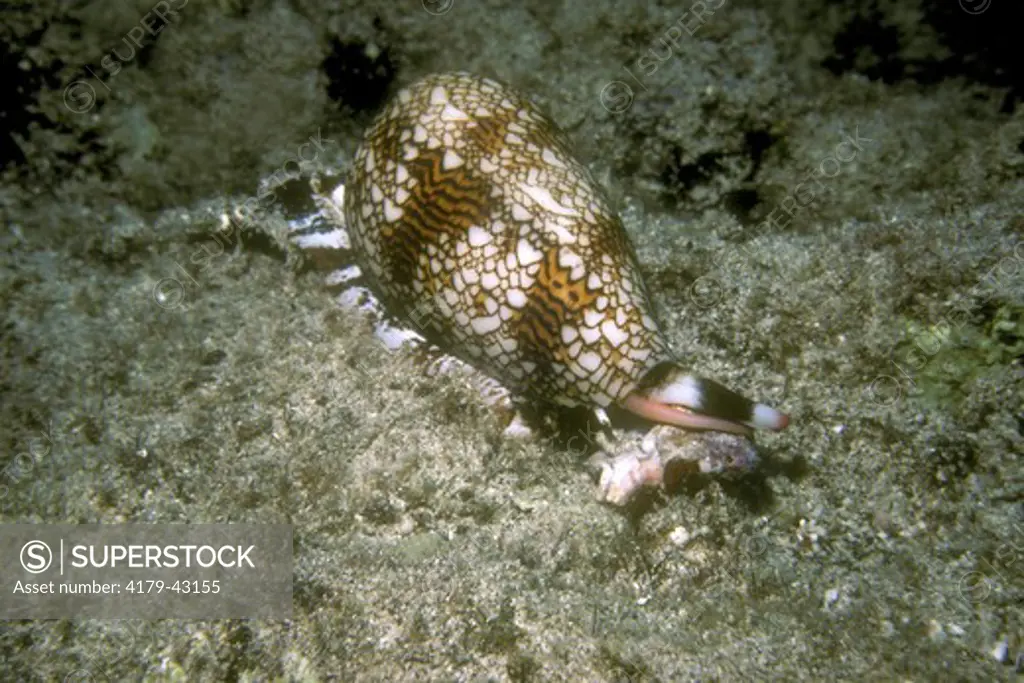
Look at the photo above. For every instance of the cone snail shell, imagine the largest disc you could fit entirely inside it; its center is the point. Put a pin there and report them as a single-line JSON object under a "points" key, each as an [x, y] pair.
{"points": [[468, 210]]}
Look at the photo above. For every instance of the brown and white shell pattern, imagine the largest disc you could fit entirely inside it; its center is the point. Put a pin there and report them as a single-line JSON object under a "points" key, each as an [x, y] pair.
{"points": [[468, 209]]}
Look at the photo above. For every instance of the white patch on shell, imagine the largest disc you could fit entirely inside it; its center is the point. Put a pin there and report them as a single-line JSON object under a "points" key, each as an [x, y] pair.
{"points": [[526, 254], [489, 281], [453, 113], [451, 160], [520, 213], [392, 212], [485, 325], [613, 333], [589, 361], [478, 237], [543, 197], [563, 235], [516, 298], [567, 258], [549, 157], [438, 96]]}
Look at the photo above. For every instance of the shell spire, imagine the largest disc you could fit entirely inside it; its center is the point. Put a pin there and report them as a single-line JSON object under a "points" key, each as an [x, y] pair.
{"points": [[470, 213]]}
